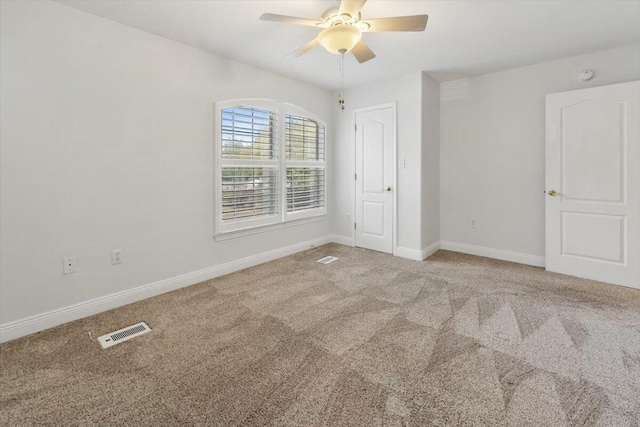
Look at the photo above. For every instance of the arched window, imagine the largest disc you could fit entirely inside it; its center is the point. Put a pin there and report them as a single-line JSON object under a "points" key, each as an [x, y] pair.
{"points": [[270, 164]]}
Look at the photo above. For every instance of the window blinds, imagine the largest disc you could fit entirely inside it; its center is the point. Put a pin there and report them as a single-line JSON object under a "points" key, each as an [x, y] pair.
{"points": [[305, 147], [270, 164], [304, 138], [248, 191], [305, 188], [248, 133]]}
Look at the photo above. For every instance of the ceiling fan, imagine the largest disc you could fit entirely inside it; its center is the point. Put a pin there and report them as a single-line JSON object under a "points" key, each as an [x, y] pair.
{"points": [[342, 28]]}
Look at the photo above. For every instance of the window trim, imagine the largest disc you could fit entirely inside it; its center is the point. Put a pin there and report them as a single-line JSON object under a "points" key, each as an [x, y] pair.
{"points": [[242, 227]]}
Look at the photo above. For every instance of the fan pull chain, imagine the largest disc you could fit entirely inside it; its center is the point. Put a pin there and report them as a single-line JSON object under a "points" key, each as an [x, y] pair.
{"points": [[340, 96]]}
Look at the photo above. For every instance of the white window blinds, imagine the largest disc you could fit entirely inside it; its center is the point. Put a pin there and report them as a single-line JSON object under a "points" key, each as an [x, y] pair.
{"points": [[248, 133], [248, 162], [304, 138], [305, 155], [305, 189], [270, 164], [248, 192]]}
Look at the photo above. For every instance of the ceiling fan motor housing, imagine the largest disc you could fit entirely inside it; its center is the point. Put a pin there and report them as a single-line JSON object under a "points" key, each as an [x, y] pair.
{"points": [[332, 16]]}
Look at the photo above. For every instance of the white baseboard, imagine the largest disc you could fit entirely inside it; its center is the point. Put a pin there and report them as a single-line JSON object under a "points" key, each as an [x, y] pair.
{"points": [[40, 322], [535, 260], [430, 250], [343, 240], [414, 254]]}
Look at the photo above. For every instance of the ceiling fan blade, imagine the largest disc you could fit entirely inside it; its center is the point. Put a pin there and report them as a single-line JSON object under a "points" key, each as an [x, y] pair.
{"points": [[304, 49], [362, 52], [351, 7], [289, 19], [398, 23]]}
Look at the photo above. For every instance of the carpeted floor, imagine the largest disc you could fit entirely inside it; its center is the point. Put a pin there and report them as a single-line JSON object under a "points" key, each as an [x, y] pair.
{"points": [[370, 339]]}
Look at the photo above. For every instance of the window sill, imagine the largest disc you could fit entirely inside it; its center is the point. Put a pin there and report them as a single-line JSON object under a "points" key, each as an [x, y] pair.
{"points": [[219, 237]]}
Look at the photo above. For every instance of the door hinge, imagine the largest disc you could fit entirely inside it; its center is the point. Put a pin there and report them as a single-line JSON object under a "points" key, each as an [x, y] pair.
{"points": [[356, 176], [355, 128], [355, 226]]}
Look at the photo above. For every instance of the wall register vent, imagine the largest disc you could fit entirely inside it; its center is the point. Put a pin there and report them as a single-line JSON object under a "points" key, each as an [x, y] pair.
{"points": [[124, 334]]}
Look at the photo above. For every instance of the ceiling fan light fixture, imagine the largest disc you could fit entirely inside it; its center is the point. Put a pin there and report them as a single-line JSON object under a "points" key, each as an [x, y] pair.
{"points": [[340, 38]]}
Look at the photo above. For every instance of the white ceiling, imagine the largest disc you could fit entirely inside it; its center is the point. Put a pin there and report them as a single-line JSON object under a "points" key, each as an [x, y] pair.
{"points": [[463, 38]]}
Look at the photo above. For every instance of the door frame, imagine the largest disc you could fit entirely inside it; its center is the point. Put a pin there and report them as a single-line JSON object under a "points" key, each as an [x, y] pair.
{"points": [[394, 173]]}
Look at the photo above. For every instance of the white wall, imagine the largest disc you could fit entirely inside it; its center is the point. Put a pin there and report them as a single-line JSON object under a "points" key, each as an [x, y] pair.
{"points": [[107, 142], [430, 208], [406, 92], [492, 149]]}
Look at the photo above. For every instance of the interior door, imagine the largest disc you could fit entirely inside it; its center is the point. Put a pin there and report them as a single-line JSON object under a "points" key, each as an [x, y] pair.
{"points": [[374, 179], [593, 183]]}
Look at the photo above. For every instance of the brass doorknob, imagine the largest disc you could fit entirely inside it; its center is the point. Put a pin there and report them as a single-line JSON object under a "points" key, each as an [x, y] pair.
{"points": [[389, 188], [553, 193]]}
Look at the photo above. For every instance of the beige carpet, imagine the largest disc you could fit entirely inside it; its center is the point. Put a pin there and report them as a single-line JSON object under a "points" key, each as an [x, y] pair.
{"points": [[370, 339]]}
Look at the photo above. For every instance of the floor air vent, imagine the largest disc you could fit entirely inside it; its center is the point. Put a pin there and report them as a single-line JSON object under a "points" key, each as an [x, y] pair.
{"points": [[124, 334], [327, 259]]}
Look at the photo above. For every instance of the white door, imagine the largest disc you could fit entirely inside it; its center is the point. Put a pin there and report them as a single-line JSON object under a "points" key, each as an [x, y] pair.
{"points": [[593, 183], [374, 179]]}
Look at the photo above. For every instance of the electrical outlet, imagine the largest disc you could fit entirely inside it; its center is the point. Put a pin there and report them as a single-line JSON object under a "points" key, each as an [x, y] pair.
{"points": [[116, 256], [348, 217], [473, 223], [69, 265]]}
